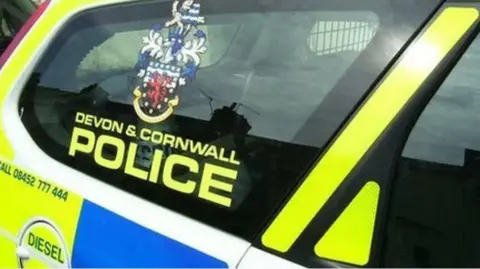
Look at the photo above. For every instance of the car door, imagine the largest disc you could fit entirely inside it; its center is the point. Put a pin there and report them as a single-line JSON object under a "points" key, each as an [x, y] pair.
{"points": [[50, 224], [408, 196], [132, 138]]}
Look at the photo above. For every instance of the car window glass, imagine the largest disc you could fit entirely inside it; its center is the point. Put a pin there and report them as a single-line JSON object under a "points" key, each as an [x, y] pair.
{"points": [[434, 218], [274, 80], [119, 54]]}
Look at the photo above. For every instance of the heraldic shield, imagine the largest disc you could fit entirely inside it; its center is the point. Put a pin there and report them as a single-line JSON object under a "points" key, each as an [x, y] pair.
{"points": [[168, 60]]}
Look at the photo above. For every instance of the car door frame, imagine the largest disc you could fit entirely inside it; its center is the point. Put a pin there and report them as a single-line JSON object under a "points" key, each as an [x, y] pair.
{"points": [[17, 141]]}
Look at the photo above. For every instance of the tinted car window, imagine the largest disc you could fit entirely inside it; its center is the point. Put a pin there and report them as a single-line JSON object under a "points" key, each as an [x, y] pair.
{"points": [[266, 86], [435, 211]]}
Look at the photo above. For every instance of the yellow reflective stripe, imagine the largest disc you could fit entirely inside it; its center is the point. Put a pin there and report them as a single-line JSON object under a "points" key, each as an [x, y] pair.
{"points": [[367, 125], [350, 237]]}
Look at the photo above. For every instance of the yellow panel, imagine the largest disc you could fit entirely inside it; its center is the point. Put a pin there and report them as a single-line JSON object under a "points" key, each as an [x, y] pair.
{"points": [[359, 135], [349, 239], [24, 197], [7, 245]]}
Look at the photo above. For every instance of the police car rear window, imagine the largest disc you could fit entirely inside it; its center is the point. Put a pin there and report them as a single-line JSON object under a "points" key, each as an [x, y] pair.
{"points": [[215, 109]]}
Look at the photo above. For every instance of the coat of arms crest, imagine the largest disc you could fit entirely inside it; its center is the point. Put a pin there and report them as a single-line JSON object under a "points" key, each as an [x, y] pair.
{"points": [[168, 61]]}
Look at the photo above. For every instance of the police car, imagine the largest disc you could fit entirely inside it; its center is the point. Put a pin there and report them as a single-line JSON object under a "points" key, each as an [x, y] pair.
{"points": [[253, 133]]}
